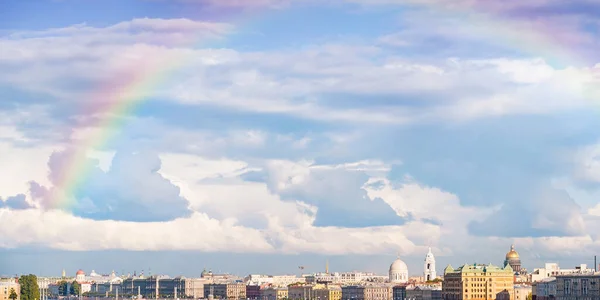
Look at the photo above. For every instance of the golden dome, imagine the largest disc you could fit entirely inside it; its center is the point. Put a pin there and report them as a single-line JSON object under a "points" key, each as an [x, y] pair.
{"points": [[512, 254]]}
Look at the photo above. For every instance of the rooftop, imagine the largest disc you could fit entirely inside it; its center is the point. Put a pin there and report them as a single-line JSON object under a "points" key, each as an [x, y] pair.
{"points": [[478, 268]]}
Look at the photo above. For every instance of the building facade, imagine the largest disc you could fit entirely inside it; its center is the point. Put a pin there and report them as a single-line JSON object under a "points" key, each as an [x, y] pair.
{"points": [[521, 291], [274, 293], [194, 287], [477, 282], [301, 292], [6, 286], [367, 292], [399, 292], [328, 293], [544, 289], [552, 269], [578, 287], [225, 290], [252, 292], [429, 267], [424, 293]]}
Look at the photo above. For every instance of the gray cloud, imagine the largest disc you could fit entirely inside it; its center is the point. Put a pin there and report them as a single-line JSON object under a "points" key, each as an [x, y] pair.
{"points": [[15, 202], [338, 195], [545, 213]]}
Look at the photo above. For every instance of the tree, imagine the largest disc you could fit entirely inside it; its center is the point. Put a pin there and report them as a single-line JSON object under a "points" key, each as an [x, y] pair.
{"points": [[13, 295], [530, 296], [29, 287], [75, 288], [63, 288]]}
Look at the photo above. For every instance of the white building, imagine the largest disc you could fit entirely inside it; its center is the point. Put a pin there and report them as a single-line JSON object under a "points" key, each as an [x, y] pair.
{"points": [[429, 267], [398, 272], [552, 270], [275, 280], [344, 277]]}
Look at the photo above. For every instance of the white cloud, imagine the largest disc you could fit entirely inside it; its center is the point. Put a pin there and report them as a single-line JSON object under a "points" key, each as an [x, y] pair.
{"points": [[61, 230], [305, 82]]}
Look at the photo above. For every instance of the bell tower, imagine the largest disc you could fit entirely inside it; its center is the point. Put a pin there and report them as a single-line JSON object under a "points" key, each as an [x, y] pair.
{"points": [[429, 267]]}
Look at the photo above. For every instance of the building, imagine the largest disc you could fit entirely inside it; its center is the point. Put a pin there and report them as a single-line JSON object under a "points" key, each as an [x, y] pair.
{"points": [[327, 293], [513, 259], [348, 278], [367, 292], [106, 289], [398, 272], [429, 267], [6, 286], [252, 292], [477, 282], [275, 280], [300, 292], [424, 292], [578, 287], [399, 292], [194, 287], [544, 289], [211, 277], [274, 293], [552, 269], [521, 291], [225, 290]]}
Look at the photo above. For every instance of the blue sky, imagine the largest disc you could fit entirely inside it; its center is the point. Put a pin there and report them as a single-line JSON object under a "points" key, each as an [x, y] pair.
{"points": [[295, 131]]}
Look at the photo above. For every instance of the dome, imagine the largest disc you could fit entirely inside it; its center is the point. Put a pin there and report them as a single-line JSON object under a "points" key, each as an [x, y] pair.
{"points": [[397, 266], [80, 272], [398, 272], [512, 254]]}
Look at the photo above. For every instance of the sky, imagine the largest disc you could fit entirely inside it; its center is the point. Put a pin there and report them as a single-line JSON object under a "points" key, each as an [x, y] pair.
{"points": [[257, 136]]}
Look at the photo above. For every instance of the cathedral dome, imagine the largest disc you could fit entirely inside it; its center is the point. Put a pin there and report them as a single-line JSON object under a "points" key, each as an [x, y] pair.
{"points": [[80, 272], [398, 265], [512, 254], [398, 272]]}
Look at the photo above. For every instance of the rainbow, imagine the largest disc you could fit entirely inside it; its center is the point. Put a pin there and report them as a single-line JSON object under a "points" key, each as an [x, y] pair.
{"points": [[116, 99]]}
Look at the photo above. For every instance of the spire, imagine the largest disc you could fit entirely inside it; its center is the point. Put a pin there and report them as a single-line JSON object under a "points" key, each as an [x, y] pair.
{"points": [[327, 266], [429, 249], [512, 247]]}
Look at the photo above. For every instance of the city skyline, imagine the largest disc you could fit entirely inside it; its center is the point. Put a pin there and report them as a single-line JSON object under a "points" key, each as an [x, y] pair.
{"points": [[267, 134]]}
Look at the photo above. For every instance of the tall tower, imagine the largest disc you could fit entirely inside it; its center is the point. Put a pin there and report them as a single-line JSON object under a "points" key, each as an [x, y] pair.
{"points": [[429, 267]]}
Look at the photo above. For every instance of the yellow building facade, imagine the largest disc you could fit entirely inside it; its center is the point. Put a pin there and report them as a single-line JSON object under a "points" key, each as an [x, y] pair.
{"points": [[6, 287], [329, 293], [477, 282]]}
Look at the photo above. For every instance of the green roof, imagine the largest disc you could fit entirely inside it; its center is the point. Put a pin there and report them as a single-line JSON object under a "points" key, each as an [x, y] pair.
{"points": [[478, 268]]}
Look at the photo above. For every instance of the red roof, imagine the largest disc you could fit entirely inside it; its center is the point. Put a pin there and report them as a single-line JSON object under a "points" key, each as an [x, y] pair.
{"points": [[80, 272]]}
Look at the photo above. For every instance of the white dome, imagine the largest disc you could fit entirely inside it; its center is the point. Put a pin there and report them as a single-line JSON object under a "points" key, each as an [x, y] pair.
{"points": [[398, 266], [398, 272]]}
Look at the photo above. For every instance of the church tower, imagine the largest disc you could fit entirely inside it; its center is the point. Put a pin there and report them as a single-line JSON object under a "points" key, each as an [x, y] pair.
{"points": [[429, 267]]}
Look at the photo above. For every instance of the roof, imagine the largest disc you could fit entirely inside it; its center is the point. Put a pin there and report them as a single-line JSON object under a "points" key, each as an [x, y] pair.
{"points": [[478, 268]]}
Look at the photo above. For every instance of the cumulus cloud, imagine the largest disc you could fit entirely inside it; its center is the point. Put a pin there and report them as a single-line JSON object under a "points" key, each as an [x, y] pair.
{"points": [[131, 190], [336, 191], [15, 202]]}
